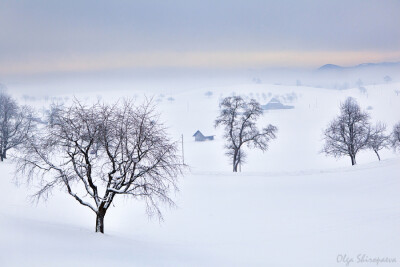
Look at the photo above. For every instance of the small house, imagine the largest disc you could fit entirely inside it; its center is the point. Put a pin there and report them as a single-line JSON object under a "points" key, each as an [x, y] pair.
{"points": [[199, 137], [275, 104]]}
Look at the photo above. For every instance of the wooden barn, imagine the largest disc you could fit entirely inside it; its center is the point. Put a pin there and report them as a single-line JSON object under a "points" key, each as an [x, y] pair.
{"points": [[275, 104], [199, 137]]}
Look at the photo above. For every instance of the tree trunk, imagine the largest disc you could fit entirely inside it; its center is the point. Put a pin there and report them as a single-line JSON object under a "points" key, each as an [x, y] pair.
{"points": [[376, 152], [353, 159], [239, 161], [235, 163], [100, 221], [235, 166]]}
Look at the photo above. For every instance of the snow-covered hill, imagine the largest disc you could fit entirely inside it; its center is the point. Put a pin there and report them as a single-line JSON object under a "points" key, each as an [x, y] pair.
{"points": [[290, 206]]}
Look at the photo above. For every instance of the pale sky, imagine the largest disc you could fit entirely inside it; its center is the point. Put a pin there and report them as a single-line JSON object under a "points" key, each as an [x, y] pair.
{"points": [[76, 35]]}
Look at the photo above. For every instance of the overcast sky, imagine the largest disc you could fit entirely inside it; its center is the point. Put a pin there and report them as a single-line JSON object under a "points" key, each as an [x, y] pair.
{"points": [[77, 35]]}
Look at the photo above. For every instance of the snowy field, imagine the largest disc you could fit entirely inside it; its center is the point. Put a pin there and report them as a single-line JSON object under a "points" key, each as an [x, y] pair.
{"points": [[290, 206]]}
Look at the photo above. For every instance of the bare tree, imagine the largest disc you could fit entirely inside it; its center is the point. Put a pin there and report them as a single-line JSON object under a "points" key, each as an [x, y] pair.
{"points": [[52, 113], [348, 133], [387, 79], [362, 90], [15, 124], [396, 136], [239, 120], [359, 83], [208, 94], [134, 157], [378, 140]]}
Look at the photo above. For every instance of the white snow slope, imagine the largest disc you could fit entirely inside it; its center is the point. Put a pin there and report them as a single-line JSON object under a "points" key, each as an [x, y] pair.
{"points": [[290, 206]]}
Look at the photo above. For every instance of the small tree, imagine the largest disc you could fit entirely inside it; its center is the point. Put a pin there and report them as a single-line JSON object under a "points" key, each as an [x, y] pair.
{"points": [[348, 133], [359, 83], [15, 124], [362, 90], [387, 79], [208, 94], [239, 120], [53, 112], [396, 136], [99, 152], [378, 140]]}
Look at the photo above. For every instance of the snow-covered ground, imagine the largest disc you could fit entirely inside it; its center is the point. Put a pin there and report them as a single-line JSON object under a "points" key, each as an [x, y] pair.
{"points": [[290, 206]]}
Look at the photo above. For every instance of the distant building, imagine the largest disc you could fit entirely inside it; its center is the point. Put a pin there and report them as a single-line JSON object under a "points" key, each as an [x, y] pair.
{"points": [[199, 137], [275, 104]]}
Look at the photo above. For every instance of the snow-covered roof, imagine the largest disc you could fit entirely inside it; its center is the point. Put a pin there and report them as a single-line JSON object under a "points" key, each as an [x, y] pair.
{"points": [[198, 133], [274, 103], [275, 100]]}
